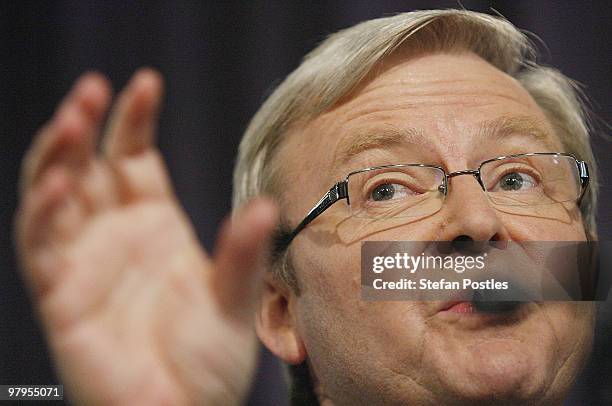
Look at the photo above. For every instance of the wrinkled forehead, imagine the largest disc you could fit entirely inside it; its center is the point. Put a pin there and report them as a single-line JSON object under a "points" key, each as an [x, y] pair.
{"points": [[434, 108]]}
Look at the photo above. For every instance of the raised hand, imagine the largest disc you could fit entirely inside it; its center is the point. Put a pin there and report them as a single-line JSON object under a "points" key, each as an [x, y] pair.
{"points": [[135, 311]]}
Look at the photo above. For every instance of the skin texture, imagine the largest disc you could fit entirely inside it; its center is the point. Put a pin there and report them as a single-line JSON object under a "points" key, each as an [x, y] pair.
{"points": [[135, 311], [406, 352]]}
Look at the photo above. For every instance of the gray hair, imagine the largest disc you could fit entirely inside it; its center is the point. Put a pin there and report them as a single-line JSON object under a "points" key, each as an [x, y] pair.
{"points": [[333, 69]]}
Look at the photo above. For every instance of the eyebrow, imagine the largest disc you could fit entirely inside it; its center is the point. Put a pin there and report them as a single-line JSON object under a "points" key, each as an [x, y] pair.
{"points": [[364, 140], [390, 135], [524, 126]]}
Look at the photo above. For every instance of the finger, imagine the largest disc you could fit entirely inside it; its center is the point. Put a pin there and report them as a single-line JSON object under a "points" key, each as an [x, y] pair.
{"points": [[143, 176], [36, 218], [55, 143], [37, 205], [133, 120], [52, 212], [138, 168], [97, 188], [69, 136], [241, 256]]}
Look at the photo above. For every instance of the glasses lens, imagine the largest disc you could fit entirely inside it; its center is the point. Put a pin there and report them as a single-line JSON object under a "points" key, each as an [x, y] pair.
{"points": [[394, 192], [531, 180]]}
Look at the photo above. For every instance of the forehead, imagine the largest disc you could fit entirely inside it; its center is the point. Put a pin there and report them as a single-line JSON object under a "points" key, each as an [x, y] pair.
{"points": [[439, 106]]}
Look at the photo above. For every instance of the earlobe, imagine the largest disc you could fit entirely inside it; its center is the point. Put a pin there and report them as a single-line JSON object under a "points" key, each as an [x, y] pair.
{"points": [[275, 322]]}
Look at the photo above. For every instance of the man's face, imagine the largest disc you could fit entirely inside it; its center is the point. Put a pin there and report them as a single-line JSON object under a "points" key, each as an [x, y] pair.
{"points": [[370, 352]]}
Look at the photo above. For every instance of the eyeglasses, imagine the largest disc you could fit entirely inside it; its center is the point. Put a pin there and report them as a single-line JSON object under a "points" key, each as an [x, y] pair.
{"points": [[518, 183]]}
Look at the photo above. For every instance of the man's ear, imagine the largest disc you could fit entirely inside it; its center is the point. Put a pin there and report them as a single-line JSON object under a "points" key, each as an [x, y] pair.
{"points": [[275, 321]]}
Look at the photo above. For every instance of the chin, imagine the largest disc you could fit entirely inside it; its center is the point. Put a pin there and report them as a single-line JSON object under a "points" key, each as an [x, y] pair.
{"points": [[502, 371]]}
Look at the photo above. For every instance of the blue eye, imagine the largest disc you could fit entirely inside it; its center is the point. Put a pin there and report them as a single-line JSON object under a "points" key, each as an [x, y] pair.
{"points": [[514, 181], [385, 191], [389, 191]]}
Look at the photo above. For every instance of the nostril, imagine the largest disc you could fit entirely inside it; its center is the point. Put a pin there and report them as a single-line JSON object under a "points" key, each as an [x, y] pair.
{"points": [[462, 243]]}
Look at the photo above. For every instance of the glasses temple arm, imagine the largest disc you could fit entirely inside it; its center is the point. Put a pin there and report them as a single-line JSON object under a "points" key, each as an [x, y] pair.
{"points": [[583, 172], [284, 238]]}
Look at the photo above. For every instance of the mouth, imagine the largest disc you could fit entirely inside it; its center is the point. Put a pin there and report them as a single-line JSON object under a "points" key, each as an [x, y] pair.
{"points": [[456, 306], [479, 307], [483, 302]]}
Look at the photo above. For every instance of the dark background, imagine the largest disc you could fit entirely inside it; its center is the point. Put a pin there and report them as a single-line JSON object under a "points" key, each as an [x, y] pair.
{"points": [[220, 60]]}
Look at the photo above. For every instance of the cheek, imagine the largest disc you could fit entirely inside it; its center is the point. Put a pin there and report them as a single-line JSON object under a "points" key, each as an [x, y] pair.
{"points": [[572, 324], [329, 278], [332, 317], [552, 224]]}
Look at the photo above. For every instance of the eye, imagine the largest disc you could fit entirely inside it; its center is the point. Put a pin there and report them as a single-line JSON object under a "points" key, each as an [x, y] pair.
{"points": [[515, 181], [388, 191]]}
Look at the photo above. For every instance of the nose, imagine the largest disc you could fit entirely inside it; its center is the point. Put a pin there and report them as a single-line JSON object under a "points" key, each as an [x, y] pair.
{"points": [[469, 217]]}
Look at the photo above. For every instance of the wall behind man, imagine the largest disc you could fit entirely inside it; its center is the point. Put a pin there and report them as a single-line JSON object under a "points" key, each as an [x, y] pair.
{"points": [[220, 60]]}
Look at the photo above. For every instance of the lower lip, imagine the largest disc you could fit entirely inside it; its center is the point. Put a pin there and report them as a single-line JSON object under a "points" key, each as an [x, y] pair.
{"points": [[465, 312], [461, 308]]}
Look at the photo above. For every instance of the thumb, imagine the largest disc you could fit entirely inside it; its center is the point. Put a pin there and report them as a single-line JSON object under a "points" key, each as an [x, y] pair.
{"points": [[241, 256]]}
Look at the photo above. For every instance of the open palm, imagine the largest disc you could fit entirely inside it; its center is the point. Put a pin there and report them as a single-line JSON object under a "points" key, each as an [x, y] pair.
{"points": [[134, 310]]}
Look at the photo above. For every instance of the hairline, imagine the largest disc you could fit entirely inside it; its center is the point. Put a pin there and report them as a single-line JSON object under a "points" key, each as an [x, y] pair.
{"points": [[517, 63]]}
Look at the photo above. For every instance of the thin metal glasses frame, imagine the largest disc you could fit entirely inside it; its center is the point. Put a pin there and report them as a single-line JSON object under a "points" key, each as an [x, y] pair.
{"points": [[340, 189]]}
